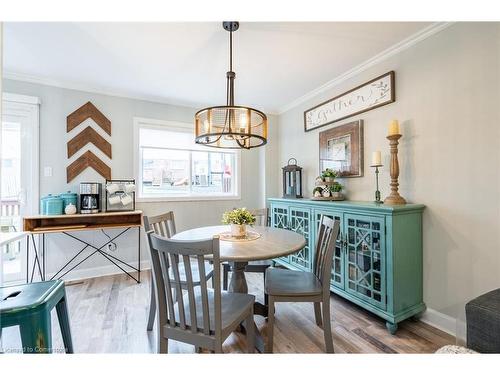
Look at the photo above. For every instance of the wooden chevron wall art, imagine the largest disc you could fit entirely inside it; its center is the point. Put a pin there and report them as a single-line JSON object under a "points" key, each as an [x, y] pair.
{"points": [[88, 159], [88, 135], [88, 110]]}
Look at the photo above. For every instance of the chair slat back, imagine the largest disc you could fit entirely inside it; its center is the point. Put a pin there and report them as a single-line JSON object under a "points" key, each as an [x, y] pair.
{"points": [[167, 254], [261, 216], [328, 232], [163, 225]]}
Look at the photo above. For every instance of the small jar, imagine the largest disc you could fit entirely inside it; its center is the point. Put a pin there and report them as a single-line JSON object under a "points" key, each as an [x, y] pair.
{"points": [[70, 209]]}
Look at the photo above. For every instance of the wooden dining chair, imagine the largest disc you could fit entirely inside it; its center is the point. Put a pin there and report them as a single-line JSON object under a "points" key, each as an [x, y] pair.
{"points": [[257, 266], [203, 317], [164, 225], [283, 285]]}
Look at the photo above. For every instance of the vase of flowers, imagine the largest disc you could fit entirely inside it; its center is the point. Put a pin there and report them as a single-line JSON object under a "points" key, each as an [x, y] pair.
{"points": [[238, 219]]}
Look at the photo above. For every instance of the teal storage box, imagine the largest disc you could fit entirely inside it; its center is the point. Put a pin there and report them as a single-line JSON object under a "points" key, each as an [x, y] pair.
{"points": [[69, 198], [51, 205]]}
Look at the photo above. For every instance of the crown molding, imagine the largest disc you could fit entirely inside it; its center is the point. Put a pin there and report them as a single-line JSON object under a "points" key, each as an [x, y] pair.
{"points": [[104, 91], [96, 90], [384, 55]]}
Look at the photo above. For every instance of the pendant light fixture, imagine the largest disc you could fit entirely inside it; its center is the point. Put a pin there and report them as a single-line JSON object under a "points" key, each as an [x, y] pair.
{"points": [[231, 126]]}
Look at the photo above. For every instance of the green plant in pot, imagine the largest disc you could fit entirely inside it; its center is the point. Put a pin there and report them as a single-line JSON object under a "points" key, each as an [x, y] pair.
{"points": [[336, 190], [238, 218], [329, 175]]}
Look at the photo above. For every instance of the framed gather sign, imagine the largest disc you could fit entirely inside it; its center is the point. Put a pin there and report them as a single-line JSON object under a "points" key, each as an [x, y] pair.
{"points": [[373, 94]]}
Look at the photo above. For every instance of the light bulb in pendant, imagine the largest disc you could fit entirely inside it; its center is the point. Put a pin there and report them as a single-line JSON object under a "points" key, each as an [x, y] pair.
{"points": [[206, 126], [243, 124]]}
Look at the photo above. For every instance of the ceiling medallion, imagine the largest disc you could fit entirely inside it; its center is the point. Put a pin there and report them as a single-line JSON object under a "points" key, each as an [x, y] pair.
{"points": [[230, 126]]}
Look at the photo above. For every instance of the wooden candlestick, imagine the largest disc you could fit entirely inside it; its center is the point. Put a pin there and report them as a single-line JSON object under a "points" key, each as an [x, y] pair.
{"points": [[394, 197]]}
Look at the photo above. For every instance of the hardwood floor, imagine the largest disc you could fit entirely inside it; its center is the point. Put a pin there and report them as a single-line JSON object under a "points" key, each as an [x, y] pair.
{"points": [[109, 315]]}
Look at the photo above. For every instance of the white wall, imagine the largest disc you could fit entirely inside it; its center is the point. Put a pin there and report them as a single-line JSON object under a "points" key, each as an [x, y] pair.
{"points": [[447, 100], [57, 103]]}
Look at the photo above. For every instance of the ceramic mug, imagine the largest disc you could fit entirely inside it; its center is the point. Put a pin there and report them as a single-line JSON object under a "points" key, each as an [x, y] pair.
{"points": [[112, 188], [114, 199], [126, 199], [129, 188]]}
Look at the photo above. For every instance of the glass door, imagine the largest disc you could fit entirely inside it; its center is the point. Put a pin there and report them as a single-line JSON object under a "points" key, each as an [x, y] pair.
{"points": [[365, 266], [19, 182], [279, 219], [300, 222]]}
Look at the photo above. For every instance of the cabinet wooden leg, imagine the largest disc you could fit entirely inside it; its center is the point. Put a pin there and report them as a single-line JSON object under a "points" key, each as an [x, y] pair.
{"points": [[391, 327]]}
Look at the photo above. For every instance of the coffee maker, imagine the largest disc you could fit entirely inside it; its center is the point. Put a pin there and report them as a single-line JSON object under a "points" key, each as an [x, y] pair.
{"points": [[90, 197]]}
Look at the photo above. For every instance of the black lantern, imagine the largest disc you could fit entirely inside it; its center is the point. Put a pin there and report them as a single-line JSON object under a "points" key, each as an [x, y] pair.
{"points": [[292, 180]]}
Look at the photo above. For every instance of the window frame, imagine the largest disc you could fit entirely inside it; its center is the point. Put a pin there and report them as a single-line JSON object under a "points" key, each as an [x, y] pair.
{"points": [[148, 123]]}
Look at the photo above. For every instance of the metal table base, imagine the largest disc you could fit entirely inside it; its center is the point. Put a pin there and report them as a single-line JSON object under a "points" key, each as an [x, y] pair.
{"points": [[40, 257]]}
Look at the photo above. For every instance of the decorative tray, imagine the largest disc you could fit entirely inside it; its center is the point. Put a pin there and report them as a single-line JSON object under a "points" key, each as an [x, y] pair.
{"points": [[250, 236], [325, 183], [327, 199]]}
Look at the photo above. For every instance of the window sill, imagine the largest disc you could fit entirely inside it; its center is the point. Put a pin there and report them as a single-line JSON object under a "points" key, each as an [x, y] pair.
{"points": [[189, 198]]}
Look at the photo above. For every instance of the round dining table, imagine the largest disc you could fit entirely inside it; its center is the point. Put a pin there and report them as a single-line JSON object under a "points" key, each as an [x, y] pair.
{"points": [[271, 243]]}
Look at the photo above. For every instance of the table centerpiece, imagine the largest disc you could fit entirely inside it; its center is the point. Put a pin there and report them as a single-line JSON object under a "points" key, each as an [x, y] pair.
{"points": [[238, 219]]}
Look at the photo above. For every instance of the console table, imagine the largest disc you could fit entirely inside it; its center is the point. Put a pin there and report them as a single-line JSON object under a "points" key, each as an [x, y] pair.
{"points": [[69, 225], [377, 262]]}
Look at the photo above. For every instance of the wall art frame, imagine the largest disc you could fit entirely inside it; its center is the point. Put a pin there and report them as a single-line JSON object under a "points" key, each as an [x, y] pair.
{"points": [[342, 149], [373, 94]]}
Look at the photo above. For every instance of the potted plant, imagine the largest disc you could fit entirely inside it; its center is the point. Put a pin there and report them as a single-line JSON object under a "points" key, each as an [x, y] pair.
{"points": [[329, 175], [336, 190], [238, 218]]}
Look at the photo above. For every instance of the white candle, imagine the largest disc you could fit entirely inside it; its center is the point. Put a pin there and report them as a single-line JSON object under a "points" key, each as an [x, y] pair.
{"points": [[394, 128], [376, 158]]}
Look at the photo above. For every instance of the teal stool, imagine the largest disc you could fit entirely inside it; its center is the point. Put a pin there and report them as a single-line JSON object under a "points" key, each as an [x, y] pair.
{"points": [[28, 306]]}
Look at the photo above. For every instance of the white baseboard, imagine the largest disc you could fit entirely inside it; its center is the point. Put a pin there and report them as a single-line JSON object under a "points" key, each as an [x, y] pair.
{"points": [[88, 273], [445, 323]]}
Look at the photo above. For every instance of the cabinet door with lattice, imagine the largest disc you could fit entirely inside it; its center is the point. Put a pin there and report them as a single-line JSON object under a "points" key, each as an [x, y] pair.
{"points": [[299, 220], [365, 266], [337, 278], [279, 219]]}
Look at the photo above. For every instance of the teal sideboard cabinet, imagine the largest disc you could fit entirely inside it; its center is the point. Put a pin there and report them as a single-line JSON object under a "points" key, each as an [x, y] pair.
{"points": [[378, 256]]}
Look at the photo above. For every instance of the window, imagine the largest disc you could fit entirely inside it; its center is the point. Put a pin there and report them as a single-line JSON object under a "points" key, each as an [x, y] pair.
{"points": [[171, 166]]}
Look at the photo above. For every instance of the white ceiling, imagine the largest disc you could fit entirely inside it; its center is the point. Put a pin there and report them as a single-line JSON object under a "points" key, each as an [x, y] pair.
{"points": [[185, 63]]}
